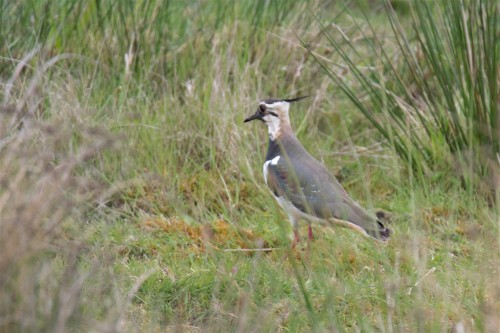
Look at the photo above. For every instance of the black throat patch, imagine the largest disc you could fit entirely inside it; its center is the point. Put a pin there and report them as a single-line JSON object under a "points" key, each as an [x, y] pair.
{"points": [[273, 149]]}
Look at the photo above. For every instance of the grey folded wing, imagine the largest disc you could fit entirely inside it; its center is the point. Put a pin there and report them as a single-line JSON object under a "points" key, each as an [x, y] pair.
{"points": [[311, 189]]}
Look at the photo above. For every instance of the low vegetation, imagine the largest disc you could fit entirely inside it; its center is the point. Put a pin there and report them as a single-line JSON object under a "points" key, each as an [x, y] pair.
{"points": [[131, 193]]}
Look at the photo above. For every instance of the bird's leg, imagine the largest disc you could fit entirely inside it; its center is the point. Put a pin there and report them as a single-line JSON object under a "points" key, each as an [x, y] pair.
{"points": [[310, 238], [310, 233], [295, 226], [296, 238]]}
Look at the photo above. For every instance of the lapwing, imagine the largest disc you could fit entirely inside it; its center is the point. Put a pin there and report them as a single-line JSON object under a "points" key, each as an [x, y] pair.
{"points": [[302, 185]]}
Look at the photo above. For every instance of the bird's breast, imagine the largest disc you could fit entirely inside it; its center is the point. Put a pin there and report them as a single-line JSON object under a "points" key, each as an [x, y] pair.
{"points": [[265, 168]]}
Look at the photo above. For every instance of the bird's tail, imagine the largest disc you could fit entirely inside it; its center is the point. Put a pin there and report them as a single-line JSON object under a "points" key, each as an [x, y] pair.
{"points": [[382, 233]]}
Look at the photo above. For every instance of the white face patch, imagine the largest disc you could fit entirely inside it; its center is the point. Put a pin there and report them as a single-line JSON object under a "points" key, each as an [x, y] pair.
{"points": [[273, 126], [274, 123]]}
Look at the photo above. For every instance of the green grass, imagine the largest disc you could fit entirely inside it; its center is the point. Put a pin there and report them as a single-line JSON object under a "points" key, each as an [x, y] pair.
{"points": [[130, 188]]}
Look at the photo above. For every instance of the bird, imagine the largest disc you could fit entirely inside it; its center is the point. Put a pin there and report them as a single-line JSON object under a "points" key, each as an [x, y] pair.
{"points": [[302, 185]]}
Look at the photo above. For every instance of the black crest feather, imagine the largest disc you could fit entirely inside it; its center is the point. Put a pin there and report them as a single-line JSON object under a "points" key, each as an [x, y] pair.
{"points": [[296, 99], [291, 100]]}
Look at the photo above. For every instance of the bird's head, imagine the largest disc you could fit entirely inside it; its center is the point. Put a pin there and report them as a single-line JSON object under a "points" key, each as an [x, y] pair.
{"points": [[272, 108], [274, 113]]}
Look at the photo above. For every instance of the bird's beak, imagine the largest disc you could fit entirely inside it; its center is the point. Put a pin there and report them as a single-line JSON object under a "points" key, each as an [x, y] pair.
{"points": [[256, 115]]}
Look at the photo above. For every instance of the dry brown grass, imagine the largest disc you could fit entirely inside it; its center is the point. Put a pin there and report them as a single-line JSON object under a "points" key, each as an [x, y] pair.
{"points": [[217, 235], [44, 185]]}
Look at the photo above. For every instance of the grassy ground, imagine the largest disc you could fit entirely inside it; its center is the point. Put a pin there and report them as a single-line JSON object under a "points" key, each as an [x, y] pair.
{"points": [[132, 197]]}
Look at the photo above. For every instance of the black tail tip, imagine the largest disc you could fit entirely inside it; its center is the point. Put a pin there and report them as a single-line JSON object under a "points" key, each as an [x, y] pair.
{"points": [[383, 233]]}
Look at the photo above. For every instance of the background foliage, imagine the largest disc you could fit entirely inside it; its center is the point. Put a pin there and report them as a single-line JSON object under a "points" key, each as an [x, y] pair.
{"points": [[131, 194]]}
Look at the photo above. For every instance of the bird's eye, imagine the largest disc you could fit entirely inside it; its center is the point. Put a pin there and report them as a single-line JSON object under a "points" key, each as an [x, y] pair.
{"points": [[262, 108]]}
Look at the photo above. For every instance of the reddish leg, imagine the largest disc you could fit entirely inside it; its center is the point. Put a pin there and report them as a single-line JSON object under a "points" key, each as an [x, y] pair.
{"points": [[310, 233], [296, 238]]}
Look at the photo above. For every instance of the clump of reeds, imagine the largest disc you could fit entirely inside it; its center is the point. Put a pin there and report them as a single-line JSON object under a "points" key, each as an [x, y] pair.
{"points": [[430, 87]]}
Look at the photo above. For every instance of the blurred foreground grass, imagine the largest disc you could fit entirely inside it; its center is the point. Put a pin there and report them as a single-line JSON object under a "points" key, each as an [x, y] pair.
{"points": [[131, 192]]}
